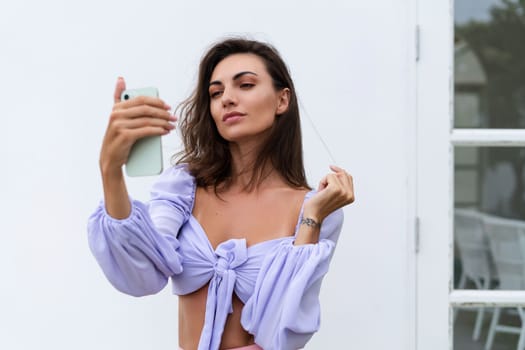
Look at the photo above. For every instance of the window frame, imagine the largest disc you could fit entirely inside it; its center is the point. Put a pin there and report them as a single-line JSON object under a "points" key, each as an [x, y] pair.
{"points": [[436, 138]]}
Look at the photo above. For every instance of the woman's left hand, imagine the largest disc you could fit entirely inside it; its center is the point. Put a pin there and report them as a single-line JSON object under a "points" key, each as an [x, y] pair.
{"points": [[335, 191]]}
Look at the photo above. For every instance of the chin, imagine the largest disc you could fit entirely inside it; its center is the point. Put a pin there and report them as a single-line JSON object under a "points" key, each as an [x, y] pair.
{"points": [[238, 133], [236, 137], [244, 137]]}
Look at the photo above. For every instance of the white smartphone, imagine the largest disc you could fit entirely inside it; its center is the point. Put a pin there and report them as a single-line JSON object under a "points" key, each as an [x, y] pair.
{"points": [[145, 157]]}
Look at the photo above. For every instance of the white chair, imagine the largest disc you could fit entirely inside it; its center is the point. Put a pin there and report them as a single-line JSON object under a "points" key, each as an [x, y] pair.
{"points": [[474, 254], [507, 245]]}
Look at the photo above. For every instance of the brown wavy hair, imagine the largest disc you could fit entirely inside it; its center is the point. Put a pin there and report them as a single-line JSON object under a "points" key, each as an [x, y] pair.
{"points": [[207, 153]]}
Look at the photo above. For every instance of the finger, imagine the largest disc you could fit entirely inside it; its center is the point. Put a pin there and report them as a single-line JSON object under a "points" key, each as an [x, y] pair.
{"points": [[144, 100], [342, 173], [146, 111], [346, 180], [331, 183], [136, 134], [337, 169], [142, 122], [348, 186], [119, 88], [334, 180], [322, 184]]}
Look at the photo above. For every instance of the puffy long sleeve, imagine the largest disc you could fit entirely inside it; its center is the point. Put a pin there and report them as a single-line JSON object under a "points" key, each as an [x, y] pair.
{"points": [[138, 254], [284, 312]]}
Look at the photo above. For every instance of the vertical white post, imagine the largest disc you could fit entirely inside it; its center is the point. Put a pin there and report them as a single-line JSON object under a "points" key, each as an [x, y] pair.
{"points": [[434, 173]]}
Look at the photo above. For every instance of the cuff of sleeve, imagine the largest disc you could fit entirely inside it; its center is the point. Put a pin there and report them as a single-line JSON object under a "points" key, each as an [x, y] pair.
{"points": [[132, 213], [323, 243]]}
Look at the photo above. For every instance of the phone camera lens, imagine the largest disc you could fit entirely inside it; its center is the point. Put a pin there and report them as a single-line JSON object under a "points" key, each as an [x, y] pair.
{"points": [[126, 97]]}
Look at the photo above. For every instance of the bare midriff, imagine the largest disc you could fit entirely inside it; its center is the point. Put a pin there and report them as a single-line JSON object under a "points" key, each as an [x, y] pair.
{"points": [[192, 308]]}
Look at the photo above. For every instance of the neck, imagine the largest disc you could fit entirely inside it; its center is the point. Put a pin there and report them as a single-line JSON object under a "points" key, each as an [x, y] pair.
{"points": [[243, 158]]}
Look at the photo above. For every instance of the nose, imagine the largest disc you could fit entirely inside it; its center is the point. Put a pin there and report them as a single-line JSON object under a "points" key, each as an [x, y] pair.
{"points": [[228, 98]]}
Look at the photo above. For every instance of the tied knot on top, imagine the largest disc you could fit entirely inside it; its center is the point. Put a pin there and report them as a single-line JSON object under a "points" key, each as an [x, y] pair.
{"points": [[230, 255]]}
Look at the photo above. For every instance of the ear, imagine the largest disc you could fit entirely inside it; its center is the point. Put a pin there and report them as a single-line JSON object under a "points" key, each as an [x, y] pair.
{"points": [[283, 102]]}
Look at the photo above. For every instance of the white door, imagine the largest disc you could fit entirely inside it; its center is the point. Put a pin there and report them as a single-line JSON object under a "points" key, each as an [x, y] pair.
{"points": [[471, 175]]}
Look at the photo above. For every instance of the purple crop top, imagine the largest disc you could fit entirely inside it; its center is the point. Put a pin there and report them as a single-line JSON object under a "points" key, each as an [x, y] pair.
{"points": [[277, 281]]}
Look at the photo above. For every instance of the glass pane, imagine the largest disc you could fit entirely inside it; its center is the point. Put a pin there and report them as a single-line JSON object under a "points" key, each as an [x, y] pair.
{"points": [[489, 218], [489, 64], [475, 327]]}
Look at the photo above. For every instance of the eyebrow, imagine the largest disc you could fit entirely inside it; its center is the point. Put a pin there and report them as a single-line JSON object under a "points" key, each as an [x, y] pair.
{"points": [[235, 77]]}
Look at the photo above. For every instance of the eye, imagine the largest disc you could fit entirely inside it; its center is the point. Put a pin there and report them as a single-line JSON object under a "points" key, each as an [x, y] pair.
{"points": [[215, 94], [247, 85]]}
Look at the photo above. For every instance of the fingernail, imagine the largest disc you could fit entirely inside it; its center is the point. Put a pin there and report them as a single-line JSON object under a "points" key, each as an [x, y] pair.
{"points": [[173, 118], [167, 106]]}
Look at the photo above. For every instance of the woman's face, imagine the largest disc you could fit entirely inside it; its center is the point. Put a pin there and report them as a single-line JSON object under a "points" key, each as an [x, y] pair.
{"points": [[243, 101]]}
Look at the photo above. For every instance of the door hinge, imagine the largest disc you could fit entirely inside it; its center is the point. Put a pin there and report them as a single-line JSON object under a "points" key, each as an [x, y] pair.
{"points": [[416, 235], [417, 42]]}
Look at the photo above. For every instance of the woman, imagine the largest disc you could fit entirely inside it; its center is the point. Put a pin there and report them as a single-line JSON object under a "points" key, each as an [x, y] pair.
{"points": [[234, 224]]}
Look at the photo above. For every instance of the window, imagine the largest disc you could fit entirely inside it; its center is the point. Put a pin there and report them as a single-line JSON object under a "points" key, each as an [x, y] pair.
{"points": [[488, 151]]}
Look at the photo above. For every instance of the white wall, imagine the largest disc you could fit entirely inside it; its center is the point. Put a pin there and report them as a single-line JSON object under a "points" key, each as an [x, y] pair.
{"points": [[58, 64]]}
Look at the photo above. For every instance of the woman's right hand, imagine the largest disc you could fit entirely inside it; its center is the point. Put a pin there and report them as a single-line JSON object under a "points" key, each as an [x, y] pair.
{"points": [[129, 121]]}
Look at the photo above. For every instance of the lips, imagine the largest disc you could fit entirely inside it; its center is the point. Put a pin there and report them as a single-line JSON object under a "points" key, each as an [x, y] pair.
{"points": [[233, 114]]}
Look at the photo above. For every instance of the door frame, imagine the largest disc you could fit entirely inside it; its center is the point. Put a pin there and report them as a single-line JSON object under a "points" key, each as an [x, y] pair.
{"points": [[434, 173], [436, 139]]}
